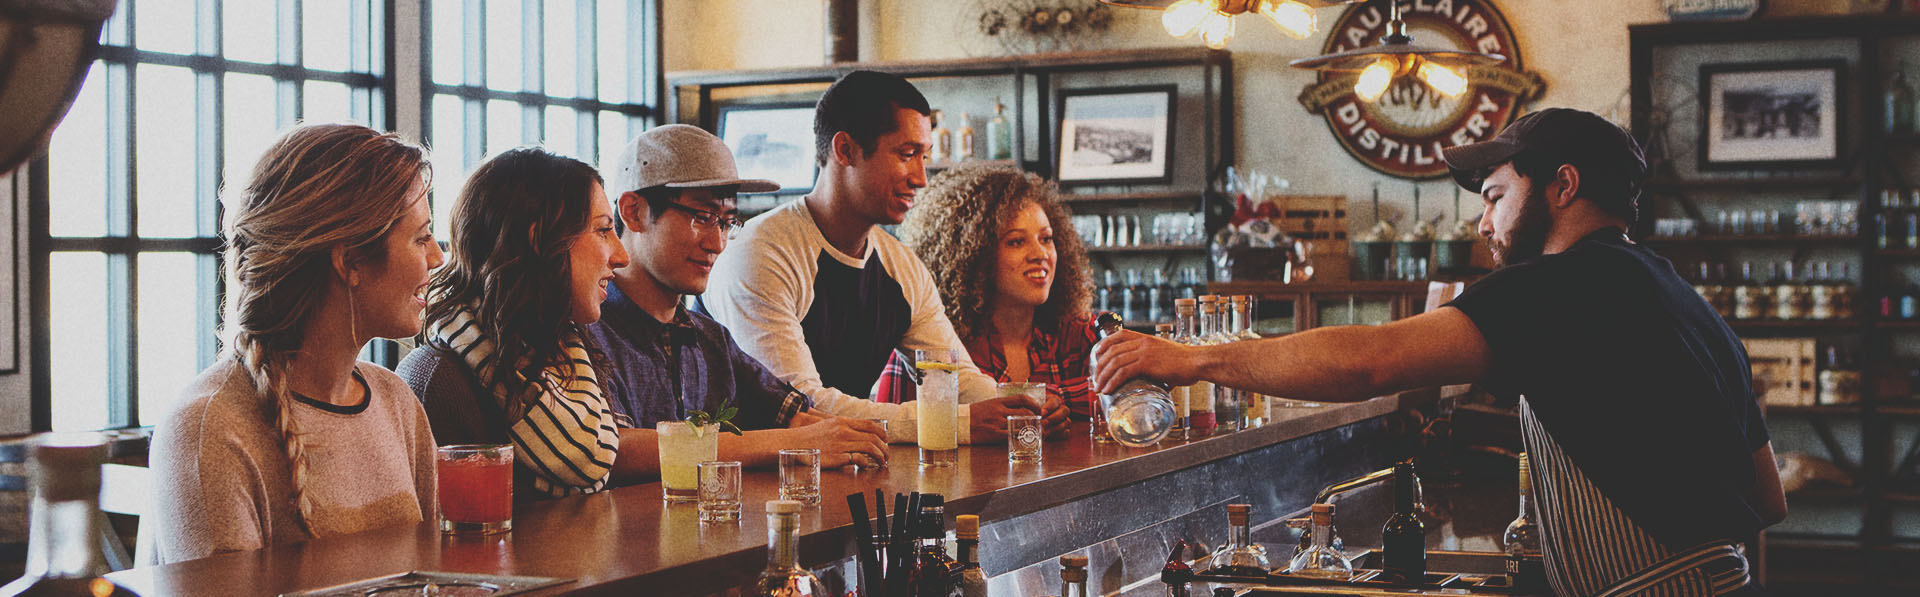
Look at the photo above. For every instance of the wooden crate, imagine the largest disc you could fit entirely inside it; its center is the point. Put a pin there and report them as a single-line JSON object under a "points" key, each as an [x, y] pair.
{"points": [[1320, 221]]}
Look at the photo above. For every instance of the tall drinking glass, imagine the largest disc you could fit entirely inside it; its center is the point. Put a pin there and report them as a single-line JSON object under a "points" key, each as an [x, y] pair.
{"points": [[939, 406], [682, 446], [476, 488]]}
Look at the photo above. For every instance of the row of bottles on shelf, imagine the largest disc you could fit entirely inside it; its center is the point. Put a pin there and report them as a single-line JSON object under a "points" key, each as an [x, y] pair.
{"points": [[1818, 291], [1808, 218], [1205, 409], [1138, 299], [1126, 230], [951, 145]]}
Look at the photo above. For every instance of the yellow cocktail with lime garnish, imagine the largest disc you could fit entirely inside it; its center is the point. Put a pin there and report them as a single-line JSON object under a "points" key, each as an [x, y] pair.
{"points": [[938, 410]]}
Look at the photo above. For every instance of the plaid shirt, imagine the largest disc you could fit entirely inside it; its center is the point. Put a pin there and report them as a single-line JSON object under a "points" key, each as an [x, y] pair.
{"points": [[1057, 358], [659, 371]]}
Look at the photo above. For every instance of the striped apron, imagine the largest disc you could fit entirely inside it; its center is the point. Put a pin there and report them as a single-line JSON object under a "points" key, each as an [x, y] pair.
{"points": [[1592, 548]]}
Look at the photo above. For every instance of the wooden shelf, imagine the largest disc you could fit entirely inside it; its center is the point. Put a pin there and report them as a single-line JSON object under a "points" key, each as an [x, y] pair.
{"points": [[1898, 253], [1909, 409], [1749, 239], [1815, 325], [1904, 498], [1822, 409], [1129, 197], [1739, 184], [1150, 249], [1897, 324], [949, 165], [1828, 494]]}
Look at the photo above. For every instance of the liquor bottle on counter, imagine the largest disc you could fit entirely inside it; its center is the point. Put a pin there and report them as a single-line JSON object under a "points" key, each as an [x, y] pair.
{"points": [[1140, 412], [1226, 401], [1240, 556], [1254, 406], [1321, 560], [966, 540], [963, 140], [1404, 537], [1073, 576], [63, 541], [1200, 416], [938, 155], [934, 573], [999, 134], [784, 577], [1184, 320], [1526, 571]]}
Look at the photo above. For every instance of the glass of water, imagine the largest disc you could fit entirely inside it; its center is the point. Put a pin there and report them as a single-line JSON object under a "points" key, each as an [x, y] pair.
{"points": [[800, 476]]}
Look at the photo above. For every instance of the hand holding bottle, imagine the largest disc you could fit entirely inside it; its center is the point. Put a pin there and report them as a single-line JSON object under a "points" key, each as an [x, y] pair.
{"points": [[1128, 354]]}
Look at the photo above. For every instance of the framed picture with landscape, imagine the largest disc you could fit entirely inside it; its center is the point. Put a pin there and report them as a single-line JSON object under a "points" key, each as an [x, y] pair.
{"points": [[771, 141], [1113, 135], [1772, 115]]}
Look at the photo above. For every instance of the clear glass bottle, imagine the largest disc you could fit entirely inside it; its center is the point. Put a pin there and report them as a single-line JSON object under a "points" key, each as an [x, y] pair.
{"points": [[999, 134], [934, 574], [963, 139], [1240, 556], [1226, 401], [1138, 414], [1073, 576], [784, 577], [63, 541], [1321, 560], [966, 540], [1255, 408], [1129, 306], [1185, 315], [1525, 567], [1900, 102], [1156, 295], [1201, 420], [938, 155], [1104, 293], [1404, 537]]}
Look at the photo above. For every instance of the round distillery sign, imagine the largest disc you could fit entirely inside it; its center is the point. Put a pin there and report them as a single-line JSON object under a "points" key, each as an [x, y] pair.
{"points": [[1402, 133]]}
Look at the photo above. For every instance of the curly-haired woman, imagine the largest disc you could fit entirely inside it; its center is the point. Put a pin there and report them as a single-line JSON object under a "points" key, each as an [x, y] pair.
{"points": [[1013, 275]]}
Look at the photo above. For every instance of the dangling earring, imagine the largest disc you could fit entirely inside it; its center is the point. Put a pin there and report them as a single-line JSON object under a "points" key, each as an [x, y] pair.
{"points": [[353, 315]]}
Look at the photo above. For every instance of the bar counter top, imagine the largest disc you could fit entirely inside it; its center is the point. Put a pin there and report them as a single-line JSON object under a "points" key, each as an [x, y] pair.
{"points": [[627, 541]]}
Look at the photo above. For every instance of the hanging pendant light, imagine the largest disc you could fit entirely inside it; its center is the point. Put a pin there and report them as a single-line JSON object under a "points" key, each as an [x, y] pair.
{"points": [[1396, 56], [1213, 19], [46, 47]]}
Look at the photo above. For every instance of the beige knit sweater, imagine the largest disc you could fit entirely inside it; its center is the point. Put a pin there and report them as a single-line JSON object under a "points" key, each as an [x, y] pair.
{"points": [[222, 481]]}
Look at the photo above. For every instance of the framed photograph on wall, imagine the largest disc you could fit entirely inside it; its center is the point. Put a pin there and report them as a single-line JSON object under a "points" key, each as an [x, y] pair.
{"points": [[771, 141], [1772, 115], [1114, 135]]}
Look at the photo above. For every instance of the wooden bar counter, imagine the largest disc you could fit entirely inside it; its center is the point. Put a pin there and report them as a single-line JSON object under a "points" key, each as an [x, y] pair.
{"points": [[1093, 498]]}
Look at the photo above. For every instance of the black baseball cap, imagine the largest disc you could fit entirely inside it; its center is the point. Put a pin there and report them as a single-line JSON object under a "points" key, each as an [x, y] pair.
{"points": [[1591, 143]]}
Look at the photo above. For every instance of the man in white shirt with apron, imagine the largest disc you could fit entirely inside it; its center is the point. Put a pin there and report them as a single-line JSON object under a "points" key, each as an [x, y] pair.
{"points": [[1651, 461]]}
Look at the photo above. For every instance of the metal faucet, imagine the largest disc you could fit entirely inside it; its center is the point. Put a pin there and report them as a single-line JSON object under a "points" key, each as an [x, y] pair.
{"points": [[1305, 524]]}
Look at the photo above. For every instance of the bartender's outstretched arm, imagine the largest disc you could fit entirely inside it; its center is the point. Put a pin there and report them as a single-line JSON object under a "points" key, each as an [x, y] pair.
{"points": [[1333, 364]]}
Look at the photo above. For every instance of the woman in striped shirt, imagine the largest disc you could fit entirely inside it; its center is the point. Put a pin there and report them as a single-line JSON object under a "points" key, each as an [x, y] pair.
{"points": [[1013, 275], [533, 250]]}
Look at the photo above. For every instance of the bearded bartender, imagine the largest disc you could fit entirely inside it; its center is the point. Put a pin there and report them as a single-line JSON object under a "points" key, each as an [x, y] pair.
{"points": [[1650, 458]]}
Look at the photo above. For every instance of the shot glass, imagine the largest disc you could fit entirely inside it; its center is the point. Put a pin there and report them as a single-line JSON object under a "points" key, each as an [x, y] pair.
{"points": [[800, 476], [476, 488], [719, 491], [1023, 438]]}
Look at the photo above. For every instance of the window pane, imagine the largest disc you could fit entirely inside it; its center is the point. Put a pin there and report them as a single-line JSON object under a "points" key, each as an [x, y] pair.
{"points": [[613, 136], [249, 27], [78, 346], [79, 151], [612, 63], [164, 26], [251, 125], [562, 49], [327, 102], [170, 324], [503, 45], [324, 39], [448, 18], [503, 126], [449, 161], [164, 151], [561, 135]]}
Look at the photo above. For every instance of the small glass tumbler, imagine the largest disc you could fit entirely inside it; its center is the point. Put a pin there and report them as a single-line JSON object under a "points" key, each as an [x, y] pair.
{"points": [[719, 491], [476, 488], [862, 461], [1023, 438], [800, 476]]}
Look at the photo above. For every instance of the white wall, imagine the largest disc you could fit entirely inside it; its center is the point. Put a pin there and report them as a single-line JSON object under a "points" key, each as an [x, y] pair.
{"points": [[1580, 48]]}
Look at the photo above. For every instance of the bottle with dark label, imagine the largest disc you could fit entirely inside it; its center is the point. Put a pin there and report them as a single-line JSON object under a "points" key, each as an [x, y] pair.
{"points": [[966, 539], [63, 541], [934, 573], [1526, 570], [1404, 536]]}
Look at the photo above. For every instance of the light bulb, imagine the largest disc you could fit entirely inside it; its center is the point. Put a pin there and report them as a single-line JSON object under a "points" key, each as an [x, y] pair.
{"points": [[1293, 18], [1182, 19], [1217, 30], [1442, 79], [1375, 79]]}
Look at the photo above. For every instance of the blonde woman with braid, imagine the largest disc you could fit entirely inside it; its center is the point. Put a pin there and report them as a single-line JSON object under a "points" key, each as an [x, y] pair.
{"points": [[288, 436]]}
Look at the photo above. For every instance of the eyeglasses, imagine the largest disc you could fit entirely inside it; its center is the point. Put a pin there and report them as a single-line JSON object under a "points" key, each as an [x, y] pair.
{"points": [[707, 219]]}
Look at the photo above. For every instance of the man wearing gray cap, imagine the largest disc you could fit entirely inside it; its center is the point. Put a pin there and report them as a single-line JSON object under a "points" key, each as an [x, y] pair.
{"points": [[1650, 459], [675, 190]]}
